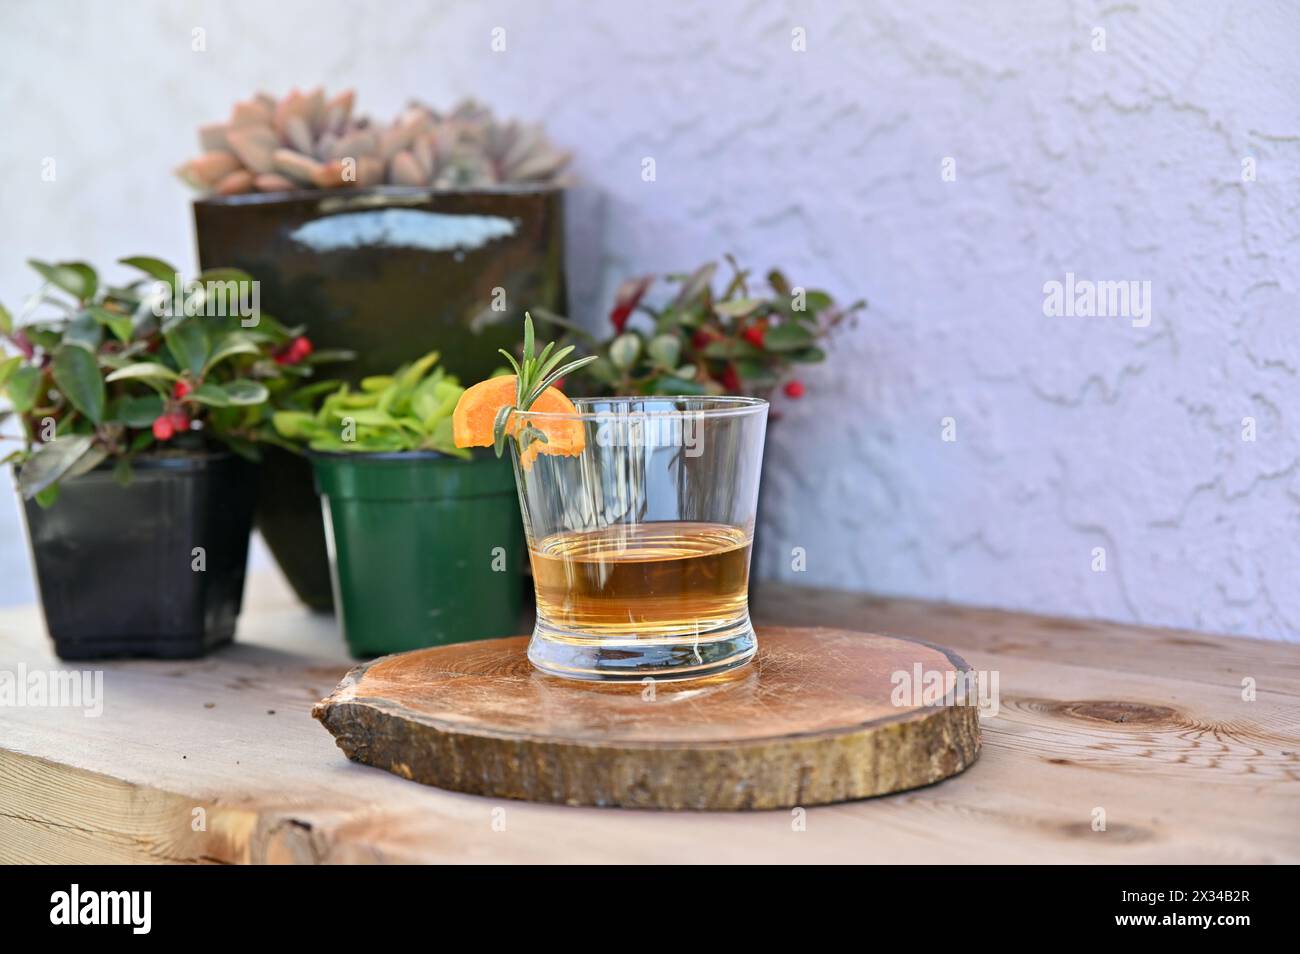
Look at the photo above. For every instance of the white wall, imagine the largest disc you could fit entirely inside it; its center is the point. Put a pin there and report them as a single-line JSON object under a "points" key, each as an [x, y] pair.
{"points": [[1072, 433]]}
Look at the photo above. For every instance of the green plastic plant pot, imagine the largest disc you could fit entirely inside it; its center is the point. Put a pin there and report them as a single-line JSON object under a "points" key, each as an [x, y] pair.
{"points": [[424, 549]]}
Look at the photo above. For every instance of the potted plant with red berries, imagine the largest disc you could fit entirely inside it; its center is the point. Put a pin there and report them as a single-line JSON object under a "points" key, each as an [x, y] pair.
{"points": [[746, 339], [141, 409]]}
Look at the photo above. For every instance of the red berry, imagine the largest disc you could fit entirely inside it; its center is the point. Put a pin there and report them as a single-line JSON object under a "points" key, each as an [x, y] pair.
{"points": [[618, 317], [730, 379], [704, 337], [181, 389], [794, 389], [180, 420], [162, 428], [754, 335], [294, 352], [626, 299]]}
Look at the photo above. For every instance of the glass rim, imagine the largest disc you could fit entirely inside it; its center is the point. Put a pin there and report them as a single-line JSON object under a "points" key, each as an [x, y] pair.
{"points": [[723, 406]]}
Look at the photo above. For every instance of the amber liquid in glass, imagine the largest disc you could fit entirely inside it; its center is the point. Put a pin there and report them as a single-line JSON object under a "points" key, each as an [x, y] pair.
{"points": [[645, 580]]}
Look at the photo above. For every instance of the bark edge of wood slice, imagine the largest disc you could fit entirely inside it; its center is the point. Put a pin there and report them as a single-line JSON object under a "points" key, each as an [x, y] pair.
{"points": [[812, 720]]}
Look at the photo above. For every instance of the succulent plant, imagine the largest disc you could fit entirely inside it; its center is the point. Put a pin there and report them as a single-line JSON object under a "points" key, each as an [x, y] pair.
{"points": [[309, 141], [467, 148], [408, 410]]}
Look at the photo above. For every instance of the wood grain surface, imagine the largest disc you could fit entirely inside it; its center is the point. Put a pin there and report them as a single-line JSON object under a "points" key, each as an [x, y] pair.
{"points": [[219, 761], [812, 720]]}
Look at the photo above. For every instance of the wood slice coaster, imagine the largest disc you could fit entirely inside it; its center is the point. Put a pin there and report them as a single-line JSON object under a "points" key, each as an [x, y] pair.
{"points": [[810, 721]]}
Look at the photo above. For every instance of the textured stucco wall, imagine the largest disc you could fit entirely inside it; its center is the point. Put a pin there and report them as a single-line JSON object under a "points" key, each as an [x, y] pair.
{"points": [[1071, 433]]}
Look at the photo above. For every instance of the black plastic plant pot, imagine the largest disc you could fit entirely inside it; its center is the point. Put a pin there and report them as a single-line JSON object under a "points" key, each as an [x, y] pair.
{"points": [[154, 568], [426, 549], [389, 273]]}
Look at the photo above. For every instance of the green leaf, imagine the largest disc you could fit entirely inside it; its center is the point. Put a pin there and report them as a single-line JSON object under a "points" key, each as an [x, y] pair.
{"points": [[143, 370], [228, 347], [295, 425], [24, 387], [75, 278], [89, 280], [82, 329], [210, 394], [737, 307], [76, 374], [188, 343], [6, 321], [153, 267], [547, 362], [731, 348], [624, 350], [8, 367], [780, 284], [410, 376], [755, 374], [140, 411], [87, 462], [814, 301], [48, 496], [807, 355], [119, 325], [665, 350], [244, 392], [435, 418], [564, 372], [49, 462], [141, 440], [328, 355], [499, 429], [372, 417], [787, 337]]}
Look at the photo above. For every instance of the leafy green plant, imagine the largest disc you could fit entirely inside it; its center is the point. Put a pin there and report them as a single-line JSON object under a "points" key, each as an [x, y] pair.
{"points": [[103, 374], [408, 410], [746, 339]]}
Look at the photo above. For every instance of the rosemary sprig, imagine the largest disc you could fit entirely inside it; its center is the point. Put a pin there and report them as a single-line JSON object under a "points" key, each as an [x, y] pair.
{"points": [[534, 374]]}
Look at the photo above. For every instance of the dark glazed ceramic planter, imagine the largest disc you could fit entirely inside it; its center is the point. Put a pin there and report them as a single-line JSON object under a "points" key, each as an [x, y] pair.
{"points": [[389, 273], [427, 549], [288, 514], [115, 565]]}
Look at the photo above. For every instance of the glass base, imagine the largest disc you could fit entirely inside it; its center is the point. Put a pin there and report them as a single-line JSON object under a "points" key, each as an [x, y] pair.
{"points": [[627, 658]]}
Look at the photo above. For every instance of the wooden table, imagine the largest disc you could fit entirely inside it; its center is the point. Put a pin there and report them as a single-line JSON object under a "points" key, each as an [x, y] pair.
{"points": [[218, 760]]}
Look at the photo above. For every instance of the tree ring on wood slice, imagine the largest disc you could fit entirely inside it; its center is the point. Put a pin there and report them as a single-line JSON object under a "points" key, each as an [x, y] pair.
{"points": [[822, 715]]}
